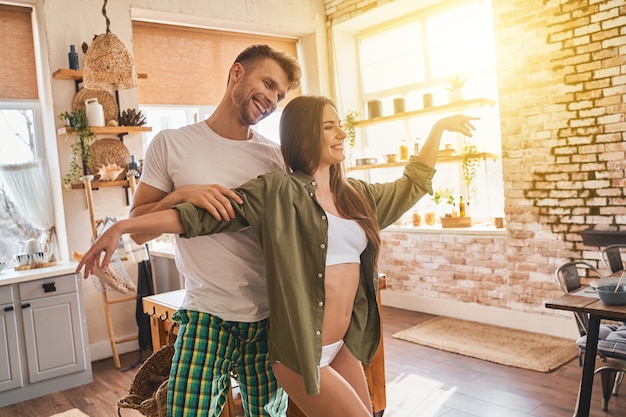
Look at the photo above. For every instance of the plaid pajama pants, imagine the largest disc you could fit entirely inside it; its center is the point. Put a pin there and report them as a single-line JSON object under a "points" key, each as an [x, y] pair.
{"points": [[207, 349]]}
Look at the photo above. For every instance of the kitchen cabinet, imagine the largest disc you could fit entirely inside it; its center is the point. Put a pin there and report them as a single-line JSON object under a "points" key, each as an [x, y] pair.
{"points": [[43, 337], [10, 364]]}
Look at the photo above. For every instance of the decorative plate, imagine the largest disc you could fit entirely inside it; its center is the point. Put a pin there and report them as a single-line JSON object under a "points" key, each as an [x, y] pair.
{"points": [[6, 254], [109, 105], [108, 151]]}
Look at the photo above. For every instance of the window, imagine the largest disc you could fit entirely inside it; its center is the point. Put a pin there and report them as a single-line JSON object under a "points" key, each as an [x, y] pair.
{"points": [[18, 122], [416, 56], [161, 117], [21, 141], [177, 95]]}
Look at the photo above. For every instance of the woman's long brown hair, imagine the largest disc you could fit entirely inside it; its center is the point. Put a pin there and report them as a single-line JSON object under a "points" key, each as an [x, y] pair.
{"points": [[301, 145]]}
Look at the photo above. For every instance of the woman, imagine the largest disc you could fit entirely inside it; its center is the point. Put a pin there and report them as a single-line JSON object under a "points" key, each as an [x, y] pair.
{"points": [[320, 238]]}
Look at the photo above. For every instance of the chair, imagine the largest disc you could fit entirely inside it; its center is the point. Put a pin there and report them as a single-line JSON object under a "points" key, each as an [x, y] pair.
{"points": [[612, 257], [611, 340]]}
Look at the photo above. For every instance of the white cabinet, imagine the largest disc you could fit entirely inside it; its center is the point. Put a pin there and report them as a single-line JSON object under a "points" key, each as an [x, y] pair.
{"points": [[52, 327], [43, 338], [10, 375]]}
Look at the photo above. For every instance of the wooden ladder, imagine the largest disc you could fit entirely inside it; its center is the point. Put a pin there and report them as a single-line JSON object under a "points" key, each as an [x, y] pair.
{"points": [[106, 301]]}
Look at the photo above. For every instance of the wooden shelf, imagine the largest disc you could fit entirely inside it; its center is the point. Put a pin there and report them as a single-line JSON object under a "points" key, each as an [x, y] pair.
{"points": [[108, 130], [102, 184], [442, 158], [450, 107], [69, 74]]}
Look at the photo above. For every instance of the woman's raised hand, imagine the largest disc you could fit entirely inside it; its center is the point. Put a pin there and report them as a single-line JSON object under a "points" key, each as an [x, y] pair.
{"points": [[458, 123]]}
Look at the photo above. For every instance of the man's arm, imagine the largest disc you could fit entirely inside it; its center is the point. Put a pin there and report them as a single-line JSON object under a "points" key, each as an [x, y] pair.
{"points": [[212, 197]]}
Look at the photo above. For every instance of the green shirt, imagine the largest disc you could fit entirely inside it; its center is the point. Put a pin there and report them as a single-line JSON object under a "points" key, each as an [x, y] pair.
{"points": [[292, 228]]}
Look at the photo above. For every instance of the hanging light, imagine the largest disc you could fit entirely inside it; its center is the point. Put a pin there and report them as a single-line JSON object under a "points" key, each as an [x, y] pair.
{"points": [[108, 64]]}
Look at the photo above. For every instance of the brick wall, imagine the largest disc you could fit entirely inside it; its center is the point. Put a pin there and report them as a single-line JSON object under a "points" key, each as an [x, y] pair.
{"points": [[562, 96]]}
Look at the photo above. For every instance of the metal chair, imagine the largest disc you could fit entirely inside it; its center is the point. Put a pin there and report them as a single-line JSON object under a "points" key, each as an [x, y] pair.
{"points": [[610, 368], [568, 276], [612, 257]]}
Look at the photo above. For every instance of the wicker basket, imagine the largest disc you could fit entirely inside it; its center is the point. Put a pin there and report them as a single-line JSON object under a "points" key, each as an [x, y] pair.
{"points": [[108, 151], [148, 389]]}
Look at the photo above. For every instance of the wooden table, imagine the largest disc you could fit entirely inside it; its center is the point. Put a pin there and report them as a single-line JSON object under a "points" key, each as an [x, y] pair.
{"points": [[161, 307], [597, 311]]}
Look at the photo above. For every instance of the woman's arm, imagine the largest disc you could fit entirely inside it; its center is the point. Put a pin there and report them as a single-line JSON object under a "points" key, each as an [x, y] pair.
{"points": [[166, 221], [457, 123], [184, 219], [393, 199]]}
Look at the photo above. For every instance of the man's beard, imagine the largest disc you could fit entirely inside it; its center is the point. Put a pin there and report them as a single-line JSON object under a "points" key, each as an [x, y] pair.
{"points": [[244, 109]]}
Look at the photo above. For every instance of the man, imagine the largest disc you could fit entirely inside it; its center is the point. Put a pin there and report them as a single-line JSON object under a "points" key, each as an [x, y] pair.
{"points": [[223, 320]]}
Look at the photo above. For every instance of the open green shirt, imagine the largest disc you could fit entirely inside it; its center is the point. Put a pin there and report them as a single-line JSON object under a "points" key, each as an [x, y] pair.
{"points": [[293, 230]]}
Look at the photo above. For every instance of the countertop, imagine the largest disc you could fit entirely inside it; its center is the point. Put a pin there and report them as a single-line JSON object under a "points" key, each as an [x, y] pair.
{"points": [[11, 276]]}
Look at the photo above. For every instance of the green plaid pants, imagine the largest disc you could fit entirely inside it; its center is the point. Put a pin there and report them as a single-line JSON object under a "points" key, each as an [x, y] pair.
{"points": [[207, 349]]}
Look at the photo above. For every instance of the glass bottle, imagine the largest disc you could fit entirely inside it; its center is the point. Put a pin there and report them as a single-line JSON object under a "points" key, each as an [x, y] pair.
{"points": [[73, 58], [461, 207], [416, 146]]}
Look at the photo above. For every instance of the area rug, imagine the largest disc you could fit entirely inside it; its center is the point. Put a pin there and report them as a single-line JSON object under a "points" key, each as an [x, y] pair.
{"points": [[511, 347], [74, 412]]}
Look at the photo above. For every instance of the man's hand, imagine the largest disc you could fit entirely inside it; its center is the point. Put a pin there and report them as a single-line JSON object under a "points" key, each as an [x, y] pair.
{"points": [[211, 197]]}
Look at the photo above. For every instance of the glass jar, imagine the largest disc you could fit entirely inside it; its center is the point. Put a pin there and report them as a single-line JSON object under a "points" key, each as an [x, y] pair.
{"points": [[404, 150], [416, 219], [430, 218]]}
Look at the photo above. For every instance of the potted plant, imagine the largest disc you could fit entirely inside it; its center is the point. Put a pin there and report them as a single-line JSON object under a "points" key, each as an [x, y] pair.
{"points": [[470, 161], [81, 148], [455, 88], [444, 196], [350, 119]]}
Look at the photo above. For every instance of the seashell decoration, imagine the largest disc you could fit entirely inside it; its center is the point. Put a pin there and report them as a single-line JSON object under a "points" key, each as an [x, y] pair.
{"points": [[109, 172]]}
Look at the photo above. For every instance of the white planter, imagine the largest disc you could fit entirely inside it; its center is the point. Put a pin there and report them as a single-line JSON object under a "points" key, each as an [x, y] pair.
{"points": [[455, 95]]}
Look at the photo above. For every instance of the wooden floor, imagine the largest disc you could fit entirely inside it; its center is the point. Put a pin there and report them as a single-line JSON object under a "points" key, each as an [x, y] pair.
{"points": [[421, 382]]}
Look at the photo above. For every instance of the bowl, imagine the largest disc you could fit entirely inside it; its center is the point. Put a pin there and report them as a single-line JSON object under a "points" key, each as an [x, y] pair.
{"points": [[608, 295], [23, 259], [365, 161], [391, 157]]}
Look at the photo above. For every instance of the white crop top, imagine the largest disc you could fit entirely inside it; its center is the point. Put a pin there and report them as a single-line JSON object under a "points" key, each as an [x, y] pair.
{"points": [[346, 241]]}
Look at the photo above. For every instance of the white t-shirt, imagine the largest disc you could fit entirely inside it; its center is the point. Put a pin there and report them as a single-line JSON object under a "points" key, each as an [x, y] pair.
{"points": [[224, 273]]}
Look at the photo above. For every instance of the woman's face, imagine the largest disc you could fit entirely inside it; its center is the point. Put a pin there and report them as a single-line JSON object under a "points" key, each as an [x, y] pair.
{"points": [[333, 138]]}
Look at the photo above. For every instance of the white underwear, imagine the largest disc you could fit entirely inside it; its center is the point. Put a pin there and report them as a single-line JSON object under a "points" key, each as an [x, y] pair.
{"points": [[329, 352]]}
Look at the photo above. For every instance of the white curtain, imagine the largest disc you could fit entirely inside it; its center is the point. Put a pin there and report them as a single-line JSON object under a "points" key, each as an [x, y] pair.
{"points": [[29, 189]]}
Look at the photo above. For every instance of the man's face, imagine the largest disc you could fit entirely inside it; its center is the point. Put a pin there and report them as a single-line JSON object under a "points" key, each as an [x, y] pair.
{"points": [[259, 89]]}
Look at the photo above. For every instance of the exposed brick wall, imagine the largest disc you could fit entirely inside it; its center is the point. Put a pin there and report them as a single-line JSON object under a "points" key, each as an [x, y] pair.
{"points": [[561, 68], [338, 11]]}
